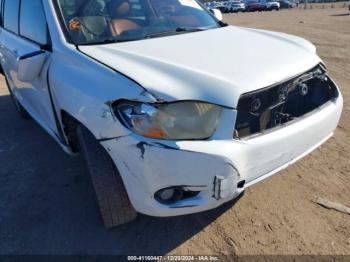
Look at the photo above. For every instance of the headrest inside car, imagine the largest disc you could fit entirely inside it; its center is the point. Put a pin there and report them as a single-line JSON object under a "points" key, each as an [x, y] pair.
{"points": [[119, 8]]}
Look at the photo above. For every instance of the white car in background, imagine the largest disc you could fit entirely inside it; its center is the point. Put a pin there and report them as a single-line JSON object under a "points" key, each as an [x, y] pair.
{"points": [[272, 5], [236, 6], [169, 123]]}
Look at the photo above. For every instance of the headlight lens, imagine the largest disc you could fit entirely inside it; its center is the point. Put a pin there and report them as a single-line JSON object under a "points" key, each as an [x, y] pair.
{"points": [[175, 121]]}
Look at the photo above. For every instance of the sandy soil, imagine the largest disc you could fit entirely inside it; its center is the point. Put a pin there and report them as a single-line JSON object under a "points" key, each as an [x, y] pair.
{"points": [[48, 206]]}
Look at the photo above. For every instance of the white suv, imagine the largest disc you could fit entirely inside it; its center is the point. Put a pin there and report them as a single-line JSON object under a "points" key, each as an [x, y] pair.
{"points": [[272, 5], [169, 123]]}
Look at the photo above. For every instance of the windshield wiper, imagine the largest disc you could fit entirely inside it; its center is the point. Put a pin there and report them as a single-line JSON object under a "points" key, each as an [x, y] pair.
{"points": [[110, 41], [150, 35], [174, 31]]}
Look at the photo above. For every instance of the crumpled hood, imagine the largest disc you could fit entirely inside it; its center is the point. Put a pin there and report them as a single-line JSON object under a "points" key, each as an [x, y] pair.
{"points": [[216, 65]]}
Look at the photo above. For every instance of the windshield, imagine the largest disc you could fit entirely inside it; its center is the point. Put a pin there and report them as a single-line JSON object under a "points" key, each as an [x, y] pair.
{"points": [[106, 21]]}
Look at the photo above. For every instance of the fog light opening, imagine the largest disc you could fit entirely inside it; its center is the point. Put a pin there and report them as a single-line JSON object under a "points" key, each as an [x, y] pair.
{"points": [[169, 195]]}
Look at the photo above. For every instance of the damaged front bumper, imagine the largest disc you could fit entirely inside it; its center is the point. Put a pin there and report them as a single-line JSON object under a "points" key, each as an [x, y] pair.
{"points": [[148, 166], [217, 169]]}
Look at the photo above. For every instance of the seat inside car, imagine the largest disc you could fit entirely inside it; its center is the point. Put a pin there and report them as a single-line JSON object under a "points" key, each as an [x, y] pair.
{"points": [[94, 27], [119, 11]]}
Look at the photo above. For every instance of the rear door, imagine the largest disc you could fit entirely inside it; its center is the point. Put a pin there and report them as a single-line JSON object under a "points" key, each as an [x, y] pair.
{"points": [[25, 36], [8, 35]]}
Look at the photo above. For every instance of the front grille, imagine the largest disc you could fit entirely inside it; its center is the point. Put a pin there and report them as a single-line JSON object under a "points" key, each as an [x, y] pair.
{"points": [[270, 107]]}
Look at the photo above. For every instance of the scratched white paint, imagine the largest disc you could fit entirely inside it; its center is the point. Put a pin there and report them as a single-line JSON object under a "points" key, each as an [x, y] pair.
{"points": [[215, 66], [198, 162]]}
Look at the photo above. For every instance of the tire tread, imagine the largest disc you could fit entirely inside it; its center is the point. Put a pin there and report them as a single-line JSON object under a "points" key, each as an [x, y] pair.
{"points": [[115, 206]]}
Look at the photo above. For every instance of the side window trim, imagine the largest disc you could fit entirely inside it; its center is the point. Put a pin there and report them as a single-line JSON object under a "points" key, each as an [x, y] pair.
{"points": [[46, 47], [1, 13], [3, 17]]}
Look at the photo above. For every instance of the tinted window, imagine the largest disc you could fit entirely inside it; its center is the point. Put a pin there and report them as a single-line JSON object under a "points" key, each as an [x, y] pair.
{"points": [[11, 15], [33, 21], [98, 21]]}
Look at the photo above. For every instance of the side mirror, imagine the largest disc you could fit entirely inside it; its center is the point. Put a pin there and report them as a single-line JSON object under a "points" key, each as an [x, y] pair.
{"points": [[30, 66], [217, 13]]}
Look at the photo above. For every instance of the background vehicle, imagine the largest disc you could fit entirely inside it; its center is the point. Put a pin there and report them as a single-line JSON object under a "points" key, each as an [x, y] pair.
{"points": [[252, 6], [286, 4], [236, 6], [272, 5], [210, 5], [222, 6]]}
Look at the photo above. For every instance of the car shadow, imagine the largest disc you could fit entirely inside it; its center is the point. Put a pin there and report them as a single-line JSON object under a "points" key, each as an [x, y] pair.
{"points": [[48, 205]]}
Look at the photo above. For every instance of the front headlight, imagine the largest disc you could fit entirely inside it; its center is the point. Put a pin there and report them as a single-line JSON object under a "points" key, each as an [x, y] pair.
{"points": [[175, 121]]}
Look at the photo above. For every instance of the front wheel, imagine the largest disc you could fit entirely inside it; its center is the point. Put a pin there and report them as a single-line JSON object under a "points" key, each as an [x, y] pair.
{"points": [[115, 206]]}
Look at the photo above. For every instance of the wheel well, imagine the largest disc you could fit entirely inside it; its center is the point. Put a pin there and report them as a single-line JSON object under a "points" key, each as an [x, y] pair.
{"points": [[70, 125], [1, 70]]}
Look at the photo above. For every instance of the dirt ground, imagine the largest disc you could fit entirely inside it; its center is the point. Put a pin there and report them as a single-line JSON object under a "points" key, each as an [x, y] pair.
{"points": [[47, 205]]}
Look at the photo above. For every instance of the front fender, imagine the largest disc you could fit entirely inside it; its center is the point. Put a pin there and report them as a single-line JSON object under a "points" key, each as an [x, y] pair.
{"points": [[86, 89]]}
